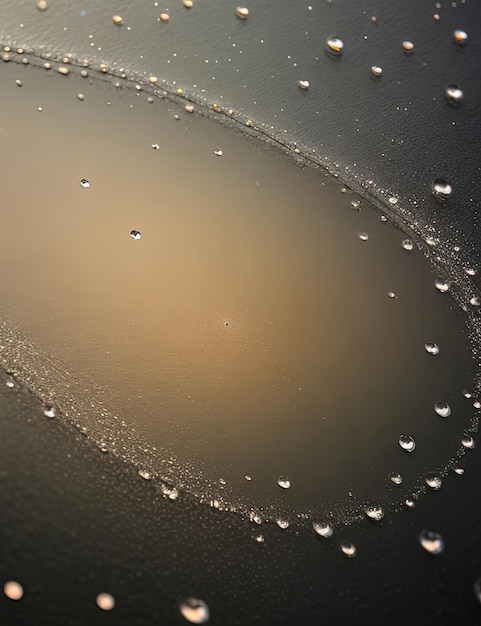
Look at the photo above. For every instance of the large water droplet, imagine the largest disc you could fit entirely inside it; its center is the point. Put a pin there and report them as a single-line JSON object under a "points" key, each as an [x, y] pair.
{"points": [[117, 19], [323, 529], [194, 610], [284, 482], [454, 95], [407, 443], [467, 441], [441, 189], [431, 542], [431, 348], [303, 84], [282, 523], [335, 45], [105, 601], [348, 548], [84, 183], [13, 590], [242, 13], [460, 37], [434, 481], [407, 244], [408, 46], [441, 285], [376, 71], [374, 512], [396, 478], [442, 408]]}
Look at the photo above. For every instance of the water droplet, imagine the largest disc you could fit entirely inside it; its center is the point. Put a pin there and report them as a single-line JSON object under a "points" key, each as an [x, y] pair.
{"points": [[303, 84], [454, 95], [475, 301], [282, 523], [434, 481], [13, 590], [477, 404], [460, 37], [467, 394], [441, 189], [348, 548], [409, 502], [376, 71], [218, 152], [459, 471], [194, 610], [42, 5], [431, 348], [153, 80], [247, 477], [242, 13], [396, 478], [155, 146], [19, 83], [117, 19], [441, 285], [84, 183], [407, 244], [283, 482], [49, 411], [470, 271], [135, 234], [431, 241], [188, 3], [63, 70], [259, 538], [374, 512], [81, 97], [145, 474], [105, 601], [431, 542], [391, 294], [363, 236], [323, 529], [408, 46], [467, 441], [407, 443], [335, 46], [164, 17], [442, 408], [169, 492]]}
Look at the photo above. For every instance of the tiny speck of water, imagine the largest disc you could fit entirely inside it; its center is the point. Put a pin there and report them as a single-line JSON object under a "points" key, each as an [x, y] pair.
{"points": [[374, 512], [218, 152], [242, 13], [105, 601], [194, 610], [467, 442], [13, 590], [376, 71], [363, 236], [303, 84], [144, 474], [135, 234], [335, 46], [282, 523], [441, 285], [441, 189], [323, 529], [454, 95], [431, 542], [434, 481], [442, 408], [408, 46], [84, 183], [431, 348], [407, 443], [396, 479], [284, 482], [348, 548], [407, 244], [460, 37]]}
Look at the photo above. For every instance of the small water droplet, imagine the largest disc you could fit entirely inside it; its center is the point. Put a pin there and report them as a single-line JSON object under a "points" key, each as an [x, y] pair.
{"points": [[460, 37], [467, 441], [194, 610], [454, 95], [323, 529], [356, 204], [42, 5], [409, 502], [470, 271], [477, 404], [363, 236], [431, 241], [49, 411], [407, 443], [81, 97], [259, 538], [431, 542], [396, 478], [117, 19], [335, 46], [467, 394], [442, 408], [218, 152], [408, 46], [348, 548], [188, 3], [459, 471], [303, 84], [441, 285], [84, 183], [135, 234], [407, 244], [164, 17], [391, 294], [105, 601], [431, 348], [434, 481], [247, 477], [242, 13], [376, 71], [383, 218], [374, 512], [155, 146], [169, 492], [13, 590], [441, 189], [145, 474], [475, 301], [19, 83], [282, 523], [283, 482]]}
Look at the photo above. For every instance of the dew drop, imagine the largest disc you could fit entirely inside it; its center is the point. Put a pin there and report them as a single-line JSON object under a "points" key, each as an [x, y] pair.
{"points": [[374, 512], [117, 19], [442, 408], [194, 610], [459, 471], [105, 601], [431, 348], [441, 285], [391, 294], [475, 301], [467, 442], [81, 97], [431, 542], [335, 46], [242, 13], [303, 84], [467, 393], [454, 95], [323, 529], [164, 17], [282, 523], [247, 477], [144, 474], [13, 590], [363, 236], [19, 83], [407, 443], [49, 412], [283, 482], [442, 189], [349, 549], [259, 538], [470, 271], [460, 37], [434, 481], [396, 478], [42, 5], [408, 46], [376, 71], [84, 183], [407, 244], [135, 234], [188, 3], [218, 152], [409, 502]]}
